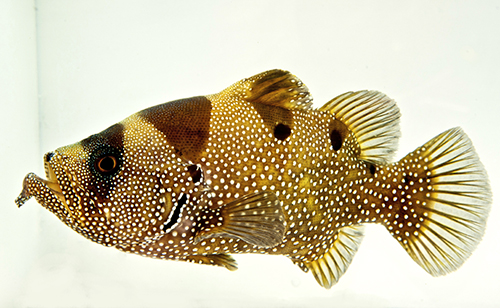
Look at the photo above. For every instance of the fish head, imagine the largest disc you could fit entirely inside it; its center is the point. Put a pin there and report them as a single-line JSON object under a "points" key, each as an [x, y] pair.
{"points": [[116, 187]]}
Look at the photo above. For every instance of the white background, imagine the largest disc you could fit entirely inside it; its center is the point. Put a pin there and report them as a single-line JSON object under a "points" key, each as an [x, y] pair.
{"points": [[69, 69]]}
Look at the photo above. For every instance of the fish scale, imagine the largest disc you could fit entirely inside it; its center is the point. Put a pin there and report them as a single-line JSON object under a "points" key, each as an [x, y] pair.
{"points": [[255, 169]]}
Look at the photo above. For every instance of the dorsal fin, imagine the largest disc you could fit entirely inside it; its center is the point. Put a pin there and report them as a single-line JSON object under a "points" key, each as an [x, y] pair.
{"points": [[332, 265], [373, 118], [276, 88]]}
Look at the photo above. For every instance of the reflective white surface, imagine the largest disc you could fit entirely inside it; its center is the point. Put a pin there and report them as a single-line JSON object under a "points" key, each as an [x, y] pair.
{"points": [[85, 65]]}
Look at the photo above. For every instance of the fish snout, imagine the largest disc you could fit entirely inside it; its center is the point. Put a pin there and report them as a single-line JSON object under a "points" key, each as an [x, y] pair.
{"points": [[48, 156]]}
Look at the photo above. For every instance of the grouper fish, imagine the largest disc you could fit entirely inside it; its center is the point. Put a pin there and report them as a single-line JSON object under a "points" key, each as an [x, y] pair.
{"points": [[256, 169]]}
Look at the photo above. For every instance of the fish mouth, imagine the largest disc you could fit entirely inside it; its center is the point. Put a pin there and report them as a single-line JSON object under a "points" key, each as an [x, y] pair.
{"points": [[46, 191]]}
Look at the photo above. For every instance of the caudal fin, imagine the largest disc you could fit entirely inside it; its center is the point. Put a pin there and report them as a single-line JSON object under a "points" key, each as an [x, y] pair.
{"points": [[447, 202]]}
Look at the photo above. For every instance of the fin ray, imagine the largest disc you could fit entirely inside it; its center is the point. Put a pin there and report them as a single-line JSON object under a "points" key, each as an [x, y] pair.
{"points": [[257, 219], [332, 265], [373, 118], [275, 88], [222, 259], [454, 209]]}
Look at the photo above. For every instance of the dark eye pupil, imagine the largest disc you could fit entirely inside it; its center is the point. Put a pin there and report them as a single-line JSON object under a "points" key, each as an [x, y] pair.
{"points": [[107, 164]]}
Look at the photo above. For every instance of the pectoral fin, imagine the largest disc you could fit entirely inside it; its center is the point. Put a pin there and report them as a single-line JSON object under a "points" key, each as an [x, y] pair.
{"points": [[257, 219]]}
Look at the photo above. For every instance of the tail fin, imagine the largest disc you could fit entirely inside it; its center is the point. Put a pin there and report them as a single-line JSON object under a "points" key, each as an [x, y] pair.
{"points": [[448, 198]]}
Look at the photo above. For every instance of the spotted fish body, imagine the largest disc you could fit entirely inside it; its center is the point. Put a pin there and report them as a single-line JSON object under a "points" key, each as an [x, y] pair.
{"points": [[254, 169]]}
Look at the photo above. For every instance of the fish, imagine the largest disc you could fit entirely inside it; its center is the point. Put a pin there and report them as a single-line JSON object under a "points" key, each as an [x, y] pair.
{"points": [[257, 169]]}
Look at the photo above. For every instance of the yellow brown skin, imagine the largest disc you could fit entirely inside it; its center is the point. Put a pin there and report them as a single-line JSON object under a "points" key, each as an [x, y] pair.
{"points": [[167, 181]]}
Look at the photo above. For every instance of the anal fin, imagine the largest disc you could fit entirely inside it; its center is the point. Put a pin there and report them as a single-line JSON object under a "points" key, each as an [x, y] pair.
{"points": [[257, 219], [332, 265]]}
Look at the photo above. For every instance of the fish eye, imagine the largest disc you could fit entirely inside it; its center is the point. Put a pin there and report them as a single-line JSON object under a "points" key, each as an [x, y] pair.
{"points": [[105, 162]]}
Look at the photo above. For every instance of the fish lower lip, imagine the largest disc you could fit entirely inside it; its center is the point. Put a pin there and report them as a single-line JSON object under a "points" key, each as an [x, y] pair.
{"points": [[27, 192], [51, 183]]}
